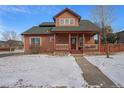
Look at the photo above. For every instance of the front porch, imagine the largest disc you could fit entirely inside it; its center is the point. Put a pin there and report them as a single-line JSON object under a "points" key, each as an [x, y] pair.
{"points": [[77, 42]]}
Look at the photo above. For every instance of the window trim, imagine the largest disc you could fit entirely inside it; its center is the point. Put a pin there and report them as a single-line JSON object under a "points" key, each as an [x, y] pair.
{"points": [[36, 37], [64, 21], [73, 21], [60, 19]]}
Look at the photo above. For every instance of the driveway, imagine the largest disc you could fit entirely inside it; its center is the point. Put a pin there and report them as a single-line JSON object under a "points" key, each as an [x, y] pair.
{"points": [[40, 71]]}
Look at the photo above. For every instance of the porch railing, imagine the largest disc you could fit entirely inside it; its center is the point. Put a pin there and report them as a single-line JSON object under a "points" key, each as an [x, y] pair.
{"points": [[91, 46], [62, 47]]}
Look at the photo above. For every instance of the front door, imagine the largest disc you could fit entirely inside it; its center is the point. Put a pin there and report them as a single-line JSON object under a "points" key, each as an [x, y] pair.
{"points": [[73, 43]]}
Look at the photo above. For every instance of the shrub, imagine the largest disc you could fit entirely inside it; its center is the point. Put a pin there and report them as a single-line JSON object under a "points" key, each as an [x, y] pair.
{"points": [[35, 49]]}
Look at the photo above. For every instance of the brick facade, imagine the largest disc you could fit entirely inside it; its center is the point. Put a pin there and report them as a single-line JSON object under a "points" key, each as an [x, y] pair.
{"points": [[46, 43], [62, 39]]}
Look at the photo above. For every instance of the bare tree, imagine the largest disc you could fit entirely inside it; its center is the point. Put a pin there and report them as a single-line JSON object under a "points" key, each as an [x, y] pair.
{"points": [[9, 35], [11, 39], [103, 16]]}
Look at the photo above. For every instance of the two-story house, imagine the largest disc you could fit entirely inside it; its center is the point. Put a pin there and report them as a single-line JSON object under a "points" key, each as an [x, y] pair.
{"points": [[68, 33]]}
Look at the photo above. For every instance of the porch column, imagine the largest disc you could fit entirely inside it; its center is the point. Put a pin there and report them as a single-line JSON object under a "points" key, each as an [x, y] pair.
{"points": [[69, 41], [83, 41], [54, 41], [99, 41]]}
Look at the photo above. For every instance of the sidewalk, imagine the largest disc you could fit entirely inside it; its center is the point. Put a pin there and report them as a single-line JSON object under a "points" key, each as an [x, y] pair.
{"points": [[92, 75]]}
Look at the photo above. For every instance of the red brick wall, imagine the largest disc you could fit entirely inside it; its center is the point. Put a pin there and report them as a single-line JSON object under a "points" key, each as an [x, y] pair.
{"points": [[62, 38], [46, 45], [89, 40]]}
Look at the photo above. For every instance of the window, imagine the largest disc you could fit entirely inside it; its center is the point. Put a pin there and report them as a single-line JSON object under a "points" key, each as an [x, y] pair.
{"points": [[66, 21], [35, 41], [73, 41], [71, 21], [61, 21]]}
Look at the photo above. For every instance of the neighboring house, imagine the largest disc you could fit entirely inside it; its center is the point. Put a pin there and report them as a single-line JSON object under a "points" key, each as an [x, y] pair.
{"points": [[14, 44], [120, 36], [2, 43], [67, 33]]}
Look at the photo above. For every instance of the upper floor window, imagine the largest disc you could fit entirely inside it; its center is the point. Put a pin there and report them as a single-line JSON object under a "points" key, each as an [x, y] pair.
{"points": [[67, 21], [71, 21], [61, 21]]}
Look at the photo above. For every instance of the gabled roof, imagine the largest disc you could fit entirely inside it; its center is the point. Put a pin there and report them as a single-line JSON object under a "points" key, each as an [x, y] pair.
{"points": [[47, 24], [85, 25], [37, 30], [69, 10]]}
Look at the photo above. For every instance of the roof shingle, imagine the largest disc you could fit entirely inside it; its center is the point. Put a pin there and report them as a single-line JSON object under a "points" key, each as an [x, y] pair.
{"points": [[47, 24], [85, 25], [38, 30], [45, 28]]}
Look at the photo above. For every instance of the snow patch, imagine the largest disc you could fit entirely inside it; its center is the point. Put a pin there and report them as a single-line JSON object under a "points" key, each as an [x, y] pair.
{"points": [[40, 71], [112, 67]]}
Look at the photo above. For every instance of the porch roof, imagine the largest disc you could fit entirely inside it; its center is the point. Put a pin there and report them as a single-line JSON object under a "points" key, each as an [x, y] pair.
{"points": [[38, 30]]}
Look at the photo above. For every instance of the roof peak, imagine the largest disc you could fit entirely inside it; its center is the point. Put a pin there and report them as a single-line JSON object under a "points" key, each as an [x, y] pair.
{"points": [[69, 10]]}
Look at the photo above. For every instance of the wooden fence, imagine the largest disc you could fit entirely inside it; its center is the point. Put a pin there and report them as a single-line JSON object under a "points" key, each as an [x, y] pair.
{"points": [[6, 49], [112, 47]]}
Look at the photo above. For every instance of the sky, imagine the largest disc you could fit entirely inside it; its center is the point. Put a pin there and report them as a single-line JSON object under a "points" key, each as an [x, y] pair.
{"points": [[20, 18]]}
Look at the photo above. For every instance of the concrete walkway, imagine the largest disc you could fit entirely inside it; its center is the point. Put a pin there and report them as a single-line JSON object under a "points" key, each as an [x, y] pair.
{"points": [[93, 75]]}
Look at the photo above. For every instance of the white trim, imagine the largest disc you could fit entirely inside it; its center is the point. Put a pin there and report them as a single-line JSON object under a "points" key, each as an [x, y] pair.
{"points": [[35, 37], [73, 21], [66, 19], [60, 19]]}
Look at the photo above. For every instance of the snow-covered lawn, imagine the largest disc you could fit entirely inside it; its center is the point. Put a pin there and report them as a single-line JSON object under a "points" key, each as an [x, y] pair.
{"points": [[40, 71], [112, 67]]}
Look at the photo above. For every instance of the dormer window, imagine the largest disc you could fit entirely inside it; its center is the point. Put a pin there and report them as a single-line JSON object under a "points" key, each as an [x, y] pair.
{"points": [[72, 21], [61, 21], [66, 21]]}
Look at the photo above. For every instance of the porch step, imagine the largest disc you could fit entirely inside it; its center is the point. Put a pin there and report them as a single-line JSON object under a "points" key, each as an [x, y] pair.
{"points": [[61, 53], [76, 52]]}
